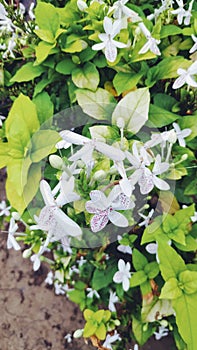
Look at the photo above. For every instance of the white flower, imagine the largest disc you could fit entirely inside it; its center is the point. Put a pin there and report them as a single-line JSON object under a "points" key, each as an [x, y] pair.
{"points": [[113, 298], [120, 11], [35, 258], [82, 6], [105, 208], [194, 217], [92, 293], [111, 339], [162, 332], [186, 76], [108, 43], [60, 289], [152, 248], [126, 249], [65, 188], [68, 338], [1, 120], [146, 178], [5, 23], [146, 218], [151, 43], [30, 12], [65, 241], [4, 210], [52, 219], [123, 275], [161, 138], [81, 261], [194, 47], [181, 134], [11, 242], [85, 153], [49, 278], [182, 14], [126, 185]]}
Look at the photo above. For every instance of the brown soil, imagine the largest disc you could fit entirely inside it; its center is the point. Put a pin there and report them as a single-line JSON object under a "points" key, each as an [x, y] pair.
{"points": [[32, 317]]}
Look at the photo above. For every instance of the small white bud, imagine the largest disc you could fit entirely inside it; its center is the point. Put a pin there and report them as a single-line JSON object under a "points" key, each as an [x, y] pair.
{"points": [[56, 162], [184, 157], [99, 175], [120, 123], [16, 215], [78, 333], [27, 253]]}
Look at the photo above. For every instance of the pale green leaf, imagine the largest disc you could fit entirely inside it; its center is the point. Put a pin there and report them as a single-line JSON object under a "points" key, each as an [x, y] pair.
{"points": [[47, 17], [86, 77], [189, 121], [133, 109], [189, 281], [21, 123], [171, 263], [45, 35], [139, 260], [157, 309], [43, 143], [43, 50], [98, 105], [101, 331], [171, 289], [140, 334], [186, 311], [89, 329]]}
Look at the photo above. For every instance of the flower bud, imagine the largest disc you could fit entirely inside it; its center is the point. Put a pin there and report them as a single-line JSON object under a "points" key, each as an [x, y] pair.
{"points": [[56, 162], [16, 215], [99, 175], [78, 333], [27, 253]]}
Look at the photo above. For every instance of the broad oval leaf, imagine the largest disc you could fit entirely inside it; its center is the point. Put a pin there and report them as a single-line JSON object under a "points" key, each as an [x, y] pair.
{"points": [[133, 109], [27, 72], [86, 77], [98, 105]]}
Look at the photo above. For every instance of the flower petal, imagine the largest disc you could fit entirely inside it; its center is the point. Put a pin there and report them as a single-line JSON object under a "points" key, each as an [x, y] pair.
{"points": [[110, 51], [161, 184], [98, 222], [46, 192], [118, 219], [179, 82], [125, 283], [112, 152], [74, 138]]}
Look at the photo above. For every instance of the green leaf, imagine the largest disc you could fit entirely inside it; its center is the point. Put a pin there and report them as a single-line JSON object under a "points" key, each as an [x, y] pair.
{"points": [[125, 81], [75, 46], [44, 107], [98, 315], [141, 334], [189, 281], [171, 263], [98, 105], [47, 17], [133, 109], [152, 269], [189, 121], [190, 244], [86, 77], [27, 72], [169, 30], [139, 260], [89, 329], [186, 311], [88, 314], [191, 189], [101, 331], [159, 117], [43, 50], [102, 278], [43, 143], [138, 278], [65, 67], [171, 289], [41, 85]]}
